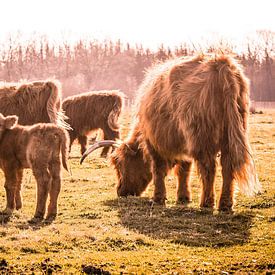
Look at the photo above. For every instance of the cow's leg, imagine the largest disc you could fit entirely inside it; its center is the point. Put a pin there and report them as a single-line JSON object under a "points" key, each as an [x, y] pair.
{"points": [[43, 179], [18, 197], [207, 171], [227, 192], [10, 186], [55, 172], [108, 134], [93, 139], [83, 143], [160, 169], [72, 135], [182, 171]]}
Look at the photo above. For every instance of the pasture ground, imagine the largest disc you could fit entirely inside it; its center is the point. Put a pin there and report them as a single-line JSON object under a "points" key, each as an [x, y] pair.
{"points": [[97, 233]]}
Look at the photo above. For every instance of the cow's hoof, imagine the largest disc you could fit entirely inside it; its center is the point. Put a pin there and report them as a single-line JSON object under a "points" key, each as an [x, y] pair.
{"points": [[7, 212], [35, 220], [18, 206], [226, 209], [50, 218], [206, 210], [158, 201], [183, 201]]}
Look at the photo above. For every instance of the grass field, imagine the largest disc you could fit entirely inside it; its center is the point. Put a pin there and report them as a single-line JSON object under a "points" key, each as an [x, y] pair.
{"points": [[97, 233]]}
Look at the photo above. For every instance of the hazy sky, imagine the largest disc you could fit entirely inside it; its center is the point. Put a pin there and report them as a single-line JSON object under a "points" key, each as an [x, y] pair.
{"points": [[150, 22]]}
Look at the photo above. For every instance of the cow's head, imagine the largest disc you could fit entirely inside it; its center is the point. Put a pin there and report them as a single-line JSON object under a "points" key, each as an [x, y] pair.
{"points": [[132, 165]]}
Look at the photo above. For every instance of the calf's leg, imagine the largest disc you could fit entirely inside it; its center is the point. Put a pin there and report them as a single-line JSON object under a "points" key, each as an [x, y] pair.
{"points": [[55, 171], [10, 186], [18, 197], [43, 179]]}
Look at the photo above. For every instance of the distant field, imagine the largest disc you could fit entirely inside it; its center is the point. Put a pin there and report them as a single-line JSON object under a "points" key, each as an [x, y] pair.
{"points": [[262, 105], [97, 232]]}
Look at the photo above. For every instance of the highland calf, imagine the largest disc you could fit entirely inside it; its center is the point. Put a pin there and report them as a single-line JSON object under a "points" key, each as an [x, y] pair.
{"points": [[90, 111], [189, 110], [33, 102], [41, 147]]}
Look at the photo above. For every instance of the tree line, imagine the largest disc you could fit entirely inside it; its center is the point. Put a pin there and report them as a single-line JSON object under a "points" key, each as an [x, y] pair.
{"points": [[93, 65]]}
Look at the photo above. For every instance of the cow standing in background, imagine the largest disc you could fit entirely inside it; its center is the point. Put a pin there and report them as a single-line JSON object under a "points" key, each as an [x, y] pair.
{"points": [[90, 111], [33, 102]]}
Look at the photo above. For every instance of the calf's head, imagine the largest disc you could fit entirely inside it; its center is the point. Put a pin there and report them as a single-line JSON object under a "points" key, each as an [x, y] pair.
{"points": [[7, 122]]}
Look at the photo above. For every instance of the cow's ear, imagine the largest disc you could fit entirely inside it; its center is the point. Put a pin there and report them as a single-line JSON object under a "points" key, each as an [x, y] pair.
{"points": [[11, 121]]}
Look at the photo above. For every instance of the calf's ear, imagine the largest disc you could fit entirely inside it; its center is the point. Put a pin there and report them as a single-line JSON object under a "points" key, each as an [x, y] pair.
{"points": [[11, 121]]}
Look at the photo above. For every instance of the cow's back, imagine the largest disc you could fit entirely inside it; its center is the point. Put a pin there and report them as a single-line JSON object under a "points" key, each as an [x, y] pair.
{"points": [[27, 103], [89, 111]]}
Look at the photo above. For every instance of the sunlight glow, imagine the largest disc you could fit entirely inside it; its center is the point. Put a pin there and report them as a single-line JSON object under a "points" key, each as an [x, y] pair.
{"points": [[150, 23]]}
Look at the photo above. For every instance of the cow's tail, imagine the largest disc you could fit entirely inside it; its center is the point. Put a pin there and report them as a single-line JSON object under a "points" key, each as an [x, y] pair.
{"points": [[64, 146], [54, 109], [114, 114], [235, 89]]}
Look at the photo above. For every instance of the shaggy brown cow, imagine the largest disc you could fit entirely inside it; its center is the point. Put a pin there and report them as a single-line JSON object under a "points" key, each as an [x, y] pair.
{"points": [[90, 111], [37, 147], [33, 102], [189, 109]]}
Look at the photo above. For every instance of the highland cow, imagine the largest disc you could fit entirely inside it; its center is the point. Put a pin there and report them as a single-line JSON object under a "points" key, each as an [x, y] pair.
{"points": [[41, 147], [189, 110], [90, 111], [33, 102]]}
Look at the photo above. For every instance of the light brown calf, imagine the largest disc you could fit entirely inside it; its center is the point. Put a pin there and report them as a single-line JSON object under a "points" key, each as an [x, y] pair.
{"points": [[41, 147]]}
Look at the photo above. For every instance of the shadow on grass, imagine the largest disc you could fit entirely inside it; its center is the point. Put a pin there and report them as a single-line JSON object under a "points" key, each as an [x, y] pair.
{"points": [[183, 225]]}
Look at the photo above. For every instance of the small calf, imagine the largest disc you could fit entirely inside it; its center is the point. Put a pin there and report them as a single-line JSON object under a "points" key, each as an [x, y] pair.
{"points": [[37, 147]]}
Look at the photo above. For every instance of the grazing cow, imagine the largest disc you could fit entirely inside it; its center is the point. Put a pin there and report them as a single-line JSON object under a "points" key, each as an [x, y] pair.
{"points": [[33, 102], [37, 147], [90, 111], [189, 109]]}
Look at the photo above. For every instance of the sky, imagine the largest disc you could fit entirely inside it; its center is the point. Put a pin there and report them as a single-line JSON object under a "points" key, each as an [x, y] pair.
{"points": [[147, 22]]}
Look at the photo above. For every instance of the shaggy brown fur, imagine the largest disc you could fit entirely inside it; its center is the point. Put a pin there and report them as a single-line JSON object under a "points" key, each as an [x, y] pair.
{"points": [[190, 109], [33, 102], [37, 147], [91, 111]]}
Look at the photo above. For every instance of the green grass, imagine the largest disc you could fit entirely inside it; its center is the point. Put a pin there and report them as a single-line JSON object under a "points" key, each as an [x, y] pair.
{"points": [[96, 231]]}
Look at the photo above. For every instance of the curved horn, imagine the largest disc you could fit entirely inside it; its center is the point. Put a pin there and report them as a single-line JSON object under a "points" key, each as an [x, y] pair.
{"points": [[98, 144]]}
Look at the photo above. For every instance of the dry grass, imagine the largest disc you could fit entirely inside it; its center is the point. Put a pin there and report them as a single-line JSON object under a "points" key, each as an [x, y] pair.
{"points": [[97, 232]]}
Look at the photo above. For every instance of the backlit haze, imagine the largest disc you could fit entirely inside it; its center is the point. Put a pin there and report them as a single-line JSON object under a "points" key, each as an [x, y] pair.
{"points": [[147, 22]]}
